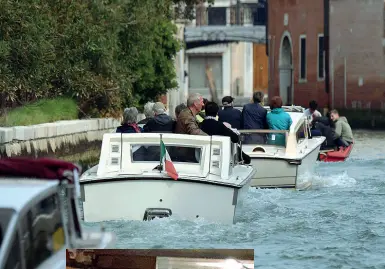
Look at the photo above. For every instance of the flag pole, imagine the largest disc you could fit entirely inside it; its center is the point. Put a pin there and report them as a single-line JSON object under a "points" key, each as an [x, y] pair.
{"points": [[160, 154]]}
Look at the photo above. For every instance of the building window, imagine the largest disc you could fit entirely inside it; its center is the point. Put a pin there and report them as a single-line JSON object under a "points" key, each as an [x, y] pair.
{"points": [[321, 57], [198, 81], [259, 13], [302, 58], [217, 15]]}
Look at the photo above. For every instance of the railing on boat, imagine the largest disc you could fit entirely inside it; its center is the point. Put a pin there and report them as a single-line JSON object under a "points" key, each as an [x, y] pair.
{"points": [[298, 133], [298, 109]]}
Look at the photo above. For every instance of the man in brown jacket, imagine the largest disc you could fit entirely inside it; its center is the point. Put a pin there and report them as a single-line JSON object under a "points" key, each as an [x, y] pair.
{"points": [[186, 122]]}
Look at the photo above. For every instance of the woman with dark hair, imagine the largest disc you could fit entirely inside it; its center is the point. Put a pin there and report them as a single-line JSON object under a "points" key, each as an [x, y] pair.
{"points": [[278, 119]]}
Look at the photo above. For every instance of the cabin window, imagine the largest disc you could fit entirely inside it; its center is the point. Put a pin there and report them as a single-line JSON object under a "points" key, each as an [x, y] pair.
{"points": [[42, 231], [5, 217], [302, 133], [14, 256], [151, 153]]}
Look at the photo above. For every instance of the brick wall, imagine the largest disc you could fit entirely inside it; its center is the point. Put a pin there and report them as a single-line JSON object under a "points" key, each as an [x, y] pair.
{"points": [[356, 34], [356, 37], [304, 17]]}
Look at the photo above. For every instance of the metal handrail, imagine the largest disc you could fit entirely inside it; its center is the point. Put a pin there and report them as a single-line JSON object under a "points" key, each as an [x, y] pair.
{"points": [[263, 131]]}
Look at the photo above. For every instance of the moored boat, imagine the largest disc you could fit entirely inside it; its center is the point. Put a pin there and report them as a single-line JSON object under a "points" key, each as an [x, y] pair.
{"points": [[39, 214], [131, 183], [283, 166]]}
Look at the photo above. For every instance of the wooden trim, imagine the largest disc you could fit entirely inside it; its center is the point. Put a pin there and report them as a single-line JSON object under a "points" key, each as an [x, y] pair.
{"points": [[239, 254]]}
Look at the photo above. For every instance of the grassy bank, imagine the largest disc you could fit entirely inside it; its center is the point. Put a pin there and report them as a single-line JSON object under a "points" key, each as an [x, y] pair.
{"points": [[43, 111]]}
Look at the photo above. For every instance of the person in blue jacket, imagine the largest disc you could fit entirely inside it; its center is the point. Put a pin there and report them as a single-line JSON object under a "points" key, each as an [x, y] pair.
{"points": [[278, 119]]}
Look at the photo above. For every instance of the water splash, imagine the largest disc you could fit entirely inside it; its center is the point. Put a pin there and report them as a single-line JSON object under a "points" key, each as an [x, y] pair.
{"points": [[341, 179]]}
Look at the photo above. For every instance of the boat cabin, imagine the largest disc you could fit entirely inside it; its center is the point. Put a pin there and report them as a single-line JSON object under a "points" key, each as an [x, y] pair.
{"points": [[38, 217], [140, 154]]}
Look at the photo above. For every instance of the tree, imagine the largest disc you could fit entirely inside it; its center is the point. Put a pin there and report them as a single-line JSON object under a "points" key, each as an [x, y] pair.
{"points": [[107, 54], [184, 9]]}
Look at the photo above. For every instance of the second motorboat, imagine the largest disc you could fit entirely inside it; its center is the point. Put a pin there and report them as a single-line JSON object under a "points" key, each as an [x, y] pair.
{"points": [[283, 166]]}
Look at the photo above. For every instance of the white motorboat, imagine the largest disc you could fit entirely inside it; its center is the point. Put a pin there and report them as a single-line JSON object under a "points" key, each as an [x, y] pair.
{"points": [[282, 166], [128, 184], [38, 214]]}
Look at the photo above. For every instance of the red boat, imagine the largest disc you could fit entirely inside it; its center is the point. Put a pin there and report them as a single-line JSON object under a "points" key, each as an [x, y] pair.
{"points": [[335, 155]]}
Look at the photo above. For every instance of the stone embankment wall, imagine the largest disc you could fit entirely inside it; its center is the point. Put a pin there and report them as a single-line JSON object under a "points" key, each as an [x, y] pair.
{"points": [[70, 140]]}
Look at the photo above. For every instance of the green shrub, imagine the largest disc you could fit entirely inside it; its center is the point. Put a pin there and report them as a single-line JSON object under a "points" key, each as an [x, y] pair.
{"points": [[105, 54]]}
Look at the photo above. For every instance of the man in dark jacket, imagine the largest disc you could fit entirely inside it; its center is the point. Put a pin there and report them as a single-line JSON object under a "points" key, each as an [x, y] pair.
{"points": [[325, 126], [213, 127], [254, 118], [161, 123], [229, 114]]}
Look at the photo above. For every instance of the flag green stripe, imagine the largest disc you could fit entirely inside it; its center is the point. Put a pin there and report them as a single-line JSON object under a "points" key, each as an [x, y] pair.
{"points": [[162, 150]]}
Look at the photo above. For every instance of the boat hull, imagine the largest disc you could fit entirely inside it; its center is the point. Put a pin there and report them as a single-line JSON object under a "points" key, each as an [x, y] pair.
{"points": [[130, 199], [336, 155], [282, 173]]}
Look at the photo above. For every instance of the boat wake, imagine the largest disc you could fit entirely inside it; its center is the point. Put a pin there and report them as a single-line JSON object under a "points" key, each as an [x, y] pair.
{"points": [[329, 180]]}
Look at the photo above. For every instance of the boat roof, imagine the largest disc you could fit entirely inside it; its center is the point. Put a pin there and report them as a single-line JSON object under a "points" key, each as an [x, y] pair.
{"points": [[133, 155], [17, 193]]}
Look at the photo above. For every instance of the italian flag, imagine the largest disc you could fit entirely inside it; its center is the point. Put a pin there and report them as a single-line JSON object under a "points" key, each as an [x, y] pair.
{"points": [[168, 166]]}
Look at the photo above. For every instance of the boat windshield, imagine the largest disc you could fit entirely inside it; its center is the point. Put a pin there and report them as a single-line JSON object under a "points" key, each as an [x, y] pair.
{"points": [[42, 230], [264, 137], [6, 215], [151, 153]]}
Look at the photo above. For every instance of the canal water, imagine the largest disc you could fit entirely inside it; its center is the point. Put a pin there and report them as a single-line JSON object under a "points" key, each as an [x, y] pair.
{"points": [[338, 223]]}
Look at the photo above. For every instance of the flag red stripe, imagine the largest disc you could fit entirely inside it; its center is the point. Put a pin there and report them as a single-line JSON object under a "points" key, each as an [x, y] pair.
{"points": [[170, 169]]}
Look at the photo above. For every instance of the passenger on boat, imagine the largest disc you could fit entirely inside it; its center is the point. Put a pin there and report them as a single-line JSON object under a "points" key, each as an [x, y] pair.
{"points": [[326, 128], [229, 114], [254, 118], [186, 122], [312, 110], [313, 113], [178, 109], [343, 135], [201, 114], [129, 124], [213, 127], [278, 119], [148, 112], [161, 123]]}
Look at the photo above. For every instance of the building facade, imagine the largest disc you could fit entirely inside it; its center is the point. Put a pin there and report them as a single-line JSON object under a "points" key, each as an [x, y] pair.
{"points": [[237, 69], [327, 50]]}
